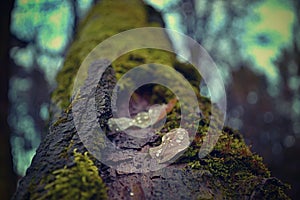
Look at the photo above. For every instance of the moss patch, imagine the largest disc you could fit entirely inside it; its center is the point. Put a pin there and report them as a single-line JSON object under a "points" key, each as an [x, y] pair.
{"points": [[80, 181], [106, 19], [237, 171]]}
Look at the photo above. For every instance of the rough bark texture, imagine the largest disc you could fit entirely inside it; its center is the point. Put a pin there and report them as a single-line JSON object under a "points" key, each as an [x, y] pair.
{"points": [[63, 168]]}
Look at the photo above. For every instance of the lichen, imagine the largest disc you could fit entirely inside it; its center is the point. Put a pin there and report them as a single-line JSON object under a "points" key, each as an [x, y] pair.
{"points": [[80, 181]]}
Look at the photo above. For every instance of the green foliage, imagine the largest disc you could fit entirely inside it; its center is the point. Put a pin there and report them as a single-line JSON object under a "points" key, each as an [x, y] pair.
{"points": [[81, 181]]}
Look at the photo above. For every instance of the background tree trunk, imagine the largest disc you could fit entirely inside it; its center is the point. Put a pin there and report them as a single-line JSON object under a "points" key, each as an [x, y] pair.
{"points": [[62, 168]]}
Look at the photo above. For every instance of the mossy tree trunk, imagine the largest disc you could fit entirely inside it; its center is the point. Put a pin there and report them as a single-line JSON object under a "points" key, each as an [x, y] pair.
{"points": [[63, 168]]}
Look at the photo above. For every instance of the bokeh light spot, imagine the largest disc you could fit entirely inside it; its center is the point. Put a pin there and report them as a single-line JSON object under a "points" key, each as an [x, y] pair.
{"points": [[252, 97], [289, 141]]}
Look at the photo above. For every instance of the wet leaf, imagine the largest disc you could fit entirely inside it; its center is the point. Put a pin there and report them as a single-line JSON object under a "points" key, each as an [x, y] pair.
{"points": [[173, 142]]}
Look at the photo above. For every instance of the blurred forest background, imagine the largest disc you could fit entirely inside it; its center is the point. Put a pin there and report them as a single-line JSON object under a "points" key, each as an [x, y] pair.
{"points": [[255, 44]]}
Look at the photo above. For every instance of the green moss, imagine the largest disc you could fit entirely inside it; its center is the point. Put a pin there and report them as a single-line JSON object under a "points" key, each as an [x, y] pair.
{"points": [[139, 57], [66, 151], [60, 120], [80, 181], [236, 170], [189, 72], [106, 19]]}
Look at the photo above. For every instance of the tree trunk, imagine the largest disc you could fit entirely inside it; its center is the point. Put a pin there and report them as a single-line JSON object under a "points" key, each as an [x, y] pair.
{"points": [[64, 168]]}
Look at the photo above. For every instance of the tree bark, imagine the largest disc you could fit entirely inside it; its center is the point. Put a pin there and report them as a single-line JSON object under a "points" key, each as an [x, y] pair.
{"points": [[63, 168]]}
